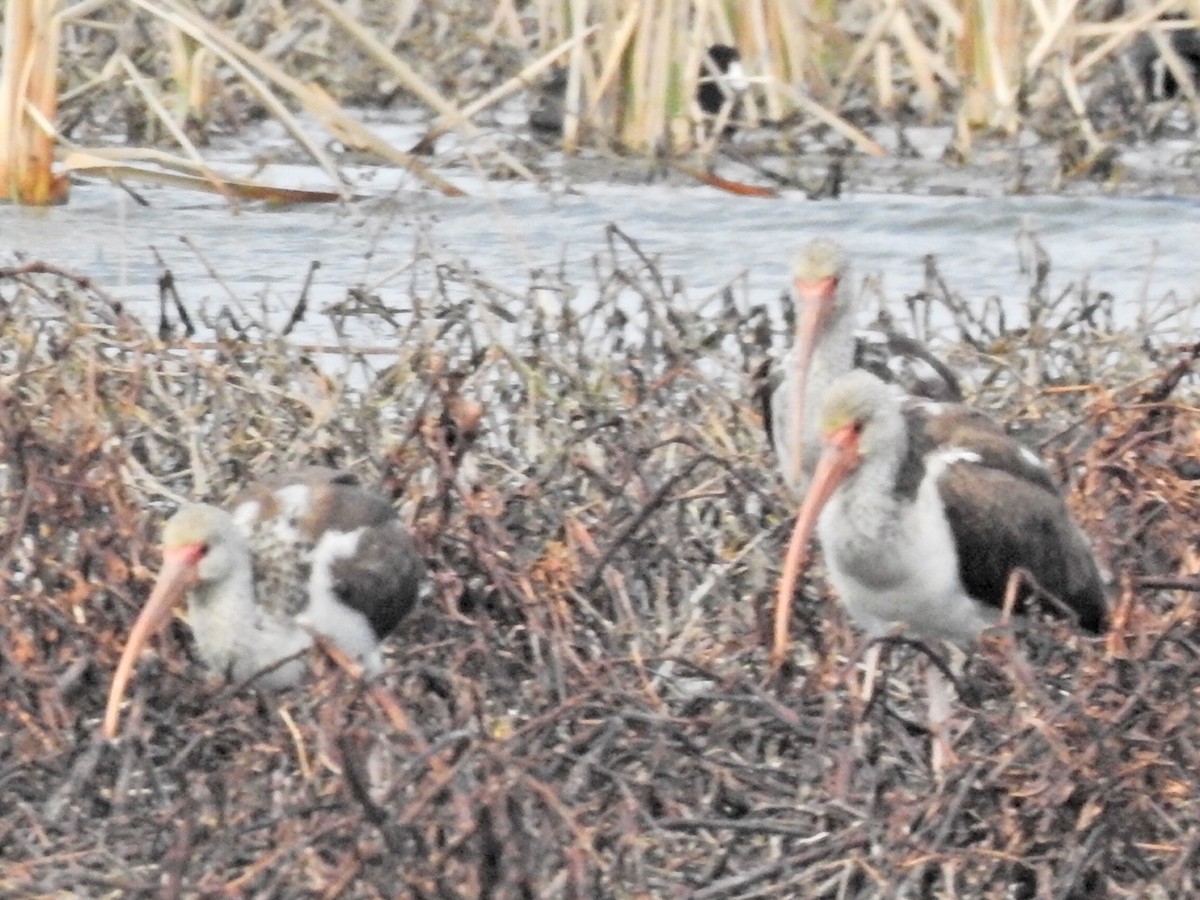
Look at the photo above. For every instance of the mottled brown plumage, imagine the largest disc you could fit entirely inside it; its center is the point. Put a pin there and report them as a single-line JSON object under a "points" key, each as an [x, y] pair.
{"points": [[302, 554], [925, 511]]}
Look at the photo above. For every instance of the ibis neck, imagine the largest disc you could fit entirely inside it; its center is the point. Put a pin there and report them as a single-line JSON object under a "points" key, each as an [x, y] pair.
{"points": [[832, 357], [869, 501], [222, 612], [234, 593]]}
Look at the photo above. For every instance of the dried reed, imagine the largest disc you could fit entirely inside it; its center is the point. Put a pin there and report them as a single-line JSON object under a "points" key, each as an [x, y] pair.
{"points": [[28, 103], [821, 70]]}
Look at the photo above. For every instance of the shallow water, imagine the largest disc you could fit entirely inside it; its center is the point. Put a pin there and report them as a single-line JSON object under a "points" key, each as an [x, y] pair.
{"points": [[1140, 250]]}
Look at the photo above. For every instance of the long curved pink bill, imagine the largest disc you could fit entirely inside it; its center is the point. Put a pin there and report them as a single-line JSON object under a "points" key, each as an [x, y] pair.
{"points": [[838, 460], [172, 581]]}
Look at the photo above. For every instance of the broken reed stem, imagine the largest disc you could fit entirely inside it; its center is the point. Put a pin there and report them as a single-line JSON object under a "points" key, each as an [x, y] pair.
{"points": [[29, 103]]}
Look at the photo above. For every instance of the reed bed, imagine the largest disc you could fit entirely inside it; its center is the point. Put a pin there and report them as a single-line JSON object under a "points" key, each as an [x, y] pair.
{"points": [[167, 77], [580, 707]]}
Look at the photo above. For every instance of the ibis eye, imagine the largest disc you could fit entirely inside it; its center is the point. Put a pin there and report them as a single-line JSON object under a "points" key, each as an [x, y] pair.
{"points": [[203, 550]]}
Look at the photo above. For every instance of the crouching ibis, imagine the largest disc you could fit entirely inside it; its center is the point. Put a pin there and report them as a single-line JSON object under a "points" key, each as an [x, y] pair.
{"points": [[302, 555]]}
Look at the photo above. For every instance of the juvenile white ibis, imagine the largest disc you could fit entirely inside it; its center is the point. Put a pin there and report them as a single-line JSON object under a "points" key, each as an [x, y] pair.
{"points": [[311, 553], [924, 510], [826, 347]]}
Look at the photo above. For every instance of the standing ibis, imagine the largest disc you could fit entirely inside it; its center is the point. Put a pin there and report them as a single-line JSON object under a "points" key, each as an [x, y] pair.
{"points": [[304, 555], [827, 346], [924, 511]]}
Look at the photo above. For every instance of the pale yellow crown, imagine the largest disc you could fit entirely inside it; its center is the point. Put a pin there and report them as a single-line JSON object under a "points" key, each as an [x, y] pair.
{"points": [[855, 397], [194, 523], [820, 258]]}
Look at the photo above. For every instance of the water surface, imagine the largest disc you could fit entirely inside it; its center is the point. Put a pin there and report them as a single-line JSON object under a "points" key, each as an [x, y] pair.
{"points": [[1140, 250]]}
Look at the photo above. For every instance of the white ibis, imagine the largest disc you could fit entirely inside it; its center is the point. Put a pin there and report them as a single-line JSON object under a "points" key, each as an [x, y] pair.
{"points": [[304, 555], [925, 511], [826, 347]]}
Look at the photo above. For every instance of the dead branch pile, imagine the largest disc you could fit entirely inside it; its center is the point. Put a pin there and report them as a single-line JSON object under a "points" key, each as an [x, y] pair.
{"points": [[580, 706]]}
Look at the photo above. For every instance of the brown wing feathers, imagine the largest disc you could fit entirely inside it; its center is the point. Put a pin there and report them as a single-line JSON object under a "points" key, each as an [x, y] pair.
{"points": [[382, 577], [1002, 522], [1004, 510]]}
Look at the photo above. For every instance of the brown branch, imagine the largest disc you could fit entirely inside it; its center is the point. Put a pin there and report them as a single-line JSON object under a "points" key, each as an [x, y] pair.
{"points": [[833, 848]]}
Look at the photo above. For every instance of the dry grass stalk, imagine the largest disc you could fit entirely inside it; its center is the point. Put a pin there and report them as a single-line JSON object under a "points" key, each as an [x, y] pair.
{"points": [[29, 100], [871, 45], [409, 78], [576, 76], [523, 79], [841, 126], [1117, 34], [998, 52], [315, 100], [631, 68], [117, 164]]}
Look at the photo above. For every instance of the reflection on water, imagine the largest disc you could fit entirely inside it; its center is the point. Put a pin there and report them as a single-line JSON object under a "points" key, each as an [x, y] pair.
{"points": [[1139, 250]]}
